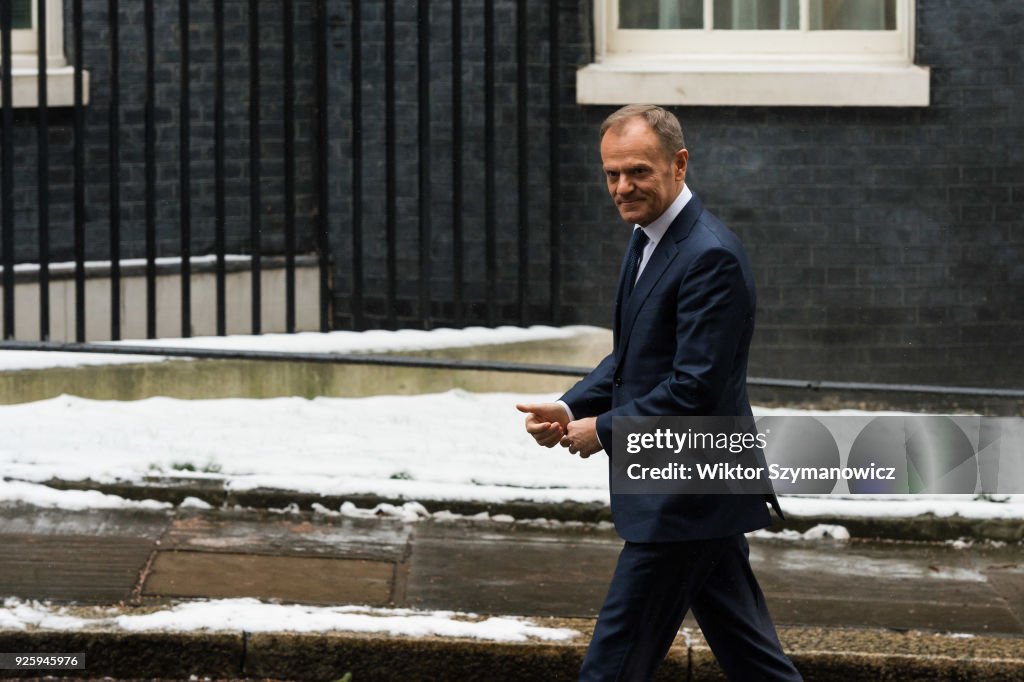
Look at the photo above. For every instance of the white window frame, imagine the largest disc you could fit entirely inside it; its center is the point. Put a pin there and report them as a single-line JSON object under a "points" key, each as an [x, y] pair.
{"points": [[23, 40], [60, 84], [753, 67]]}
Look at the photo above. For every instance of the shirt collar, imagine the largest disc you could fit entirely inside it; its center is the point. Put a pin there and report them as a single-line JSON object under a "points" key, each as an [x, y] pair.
{"points": [[659, 226]]}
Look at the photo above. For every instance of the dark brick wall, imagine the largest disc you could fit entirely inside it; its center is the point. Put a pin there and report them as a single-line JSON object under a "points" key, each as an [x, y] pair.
{"points": [[167, 117], [472, 145], [887, 243]]}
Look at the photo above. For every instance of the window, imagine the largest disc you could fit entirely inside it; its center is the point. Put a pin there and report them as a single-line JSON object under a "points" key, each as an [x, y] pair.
{"points": [[830, 15], [23, 35], [754, 52], [25, 59]]}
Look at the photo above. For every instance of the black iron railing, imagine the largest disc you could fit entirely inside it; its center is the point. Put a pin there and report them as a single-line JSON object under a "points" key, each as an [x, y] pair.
{"points": [[156, 69], [116, 147]]}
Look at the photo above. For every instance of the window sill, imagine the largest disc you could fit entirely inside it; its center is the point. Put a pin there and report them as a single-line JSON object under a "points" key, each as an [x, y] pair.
{"points": [[60, 86], [713, 82]]}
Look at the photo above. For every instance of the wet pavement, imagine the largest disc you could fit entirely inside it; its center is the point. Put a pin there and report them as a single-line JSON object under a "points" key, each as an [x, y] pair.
{"points": [[140, 557]]}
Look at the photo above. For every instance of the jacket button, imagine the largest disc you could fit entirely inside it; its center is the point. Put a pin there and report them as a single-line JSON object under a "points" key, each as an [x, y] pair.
{"points": [[618, 381]]}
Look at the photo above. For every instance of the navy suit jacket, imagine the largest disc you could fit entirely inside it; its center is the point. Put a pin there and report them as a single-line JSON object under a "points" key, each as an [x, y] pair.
{"points": [[681, 341]]}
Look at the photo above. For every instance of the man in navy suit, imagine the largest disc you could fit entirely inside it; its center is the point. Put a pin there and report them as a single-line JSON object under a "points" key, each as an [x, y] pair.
{"points": [[684, 317]]}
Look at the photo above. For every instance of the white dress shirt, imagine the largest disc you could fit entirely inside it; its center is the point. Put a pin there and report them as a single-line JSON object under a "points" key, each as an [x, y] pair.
{"points": [[659, 226]]}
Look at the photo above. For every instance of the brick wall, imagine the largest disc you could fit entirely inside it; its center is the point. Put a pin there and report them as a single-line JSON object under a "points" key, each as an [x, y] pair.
{"points": [[167, 116], [887, 243], [472, 145]]}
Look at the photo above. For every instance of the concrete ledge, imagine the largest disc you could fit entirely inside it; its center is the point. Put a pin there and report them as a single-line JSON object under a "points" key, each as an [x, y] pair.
{"points": [[60, 87], [196, 379], [134, 292], [753, 83], [174, 655], [820, 654], [331, 655], [919, 528]]}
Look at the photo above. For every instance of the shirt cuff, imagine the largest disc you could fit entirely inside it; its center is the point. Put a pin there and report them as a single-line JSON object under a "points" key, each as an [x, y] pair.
{"points": [[571, 418]]}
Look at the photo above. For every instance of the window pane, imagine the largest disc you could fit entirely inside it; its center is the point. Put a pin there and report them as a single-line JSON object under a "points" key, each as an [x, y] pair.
{"points": [[757, 14], [853, 15], [22, 10], [661, 14]]}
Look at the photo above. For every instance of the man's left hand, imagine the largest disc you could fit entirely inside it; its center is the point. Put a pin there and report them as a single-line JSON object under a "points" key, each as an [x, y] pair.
{"points": [[581, 437]]}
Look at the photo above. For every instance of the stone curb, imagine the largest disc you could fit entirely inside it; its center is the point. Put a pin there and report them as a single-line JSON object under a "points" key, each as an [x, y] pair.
{"points": [[925, 528], [118, 653], [819, 653]]}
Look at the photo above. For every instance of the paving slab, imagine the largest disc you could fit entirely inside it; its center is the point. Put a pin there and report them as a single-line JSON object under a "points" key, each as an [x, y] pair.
{"points": [[89, 556], [71, 568], [309, 580], [286, 557], [290, 534], [488, 567], [1003, 567], [882, 584], [861, 584], [496, 571]]}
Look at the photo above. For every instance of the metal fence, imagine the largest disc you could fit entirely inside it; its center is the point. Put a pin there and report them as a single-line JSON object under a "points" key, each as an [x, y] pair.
{"points": [[343, 259], [185, 147], [535, 25]]}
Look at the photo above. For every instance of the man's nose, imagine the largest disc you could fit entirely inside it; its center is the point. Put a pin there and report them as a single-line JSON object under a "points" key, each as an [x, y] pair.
{"points": [[624, 185]]}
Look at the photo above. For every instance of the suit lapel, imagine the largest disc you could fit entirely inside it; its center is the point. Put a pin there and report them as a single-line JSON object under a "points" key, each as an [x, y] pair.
{"points": [[619, 293], [664, 254]]}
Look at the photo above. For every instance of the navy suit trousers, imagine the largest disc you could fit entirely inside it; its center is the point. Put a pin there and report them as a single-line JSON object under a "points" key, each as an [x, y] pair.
{"points": [[655, 584]]}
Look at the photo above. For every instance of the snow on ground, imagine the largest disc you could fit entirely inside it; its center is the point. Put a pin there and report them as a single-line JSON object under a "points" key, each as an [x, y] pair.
{"points": [[876, 506], [45, 496], [252, 615], [818, 532], [447, 446], [341, 342], [453, 445]]}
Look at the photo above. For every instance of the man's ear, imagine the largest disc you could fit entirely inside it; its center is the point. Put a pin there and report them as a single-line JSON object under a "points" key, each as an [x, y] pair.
{"points": [[679, 162]]}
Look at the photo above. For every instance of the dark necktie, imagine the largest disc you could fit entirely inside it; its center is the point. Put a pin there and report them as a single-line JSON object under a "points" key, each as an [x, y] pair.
{"points": [[636, 253]]}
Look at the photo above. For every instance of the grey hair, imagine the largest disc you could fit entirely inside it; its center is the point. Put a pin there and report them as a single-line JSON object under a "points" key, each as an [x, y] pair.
{"points": [[663, 122]]}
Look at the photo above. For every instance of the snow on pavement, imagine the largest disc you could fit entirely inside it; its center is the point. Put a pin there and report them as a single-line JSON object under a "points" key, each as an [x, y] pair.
{"points": [[822, 531], [455, 445], [342, 342], [253, 615], [45, 496]]}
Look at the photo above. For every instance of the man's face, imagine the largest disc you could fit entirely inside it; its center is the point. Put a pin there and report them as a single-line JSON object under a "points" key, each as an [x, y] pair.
{"points": [[642, 178]]}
